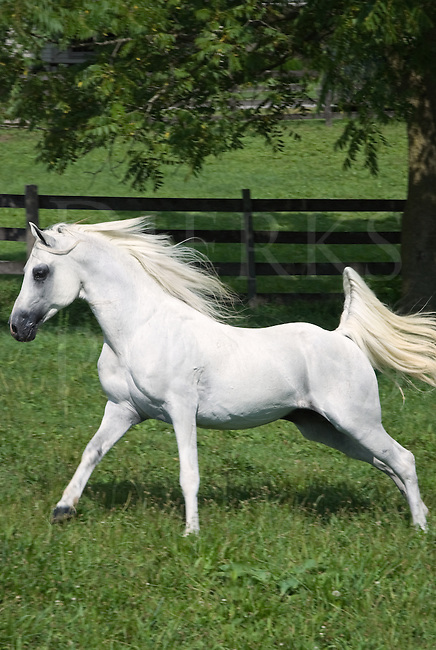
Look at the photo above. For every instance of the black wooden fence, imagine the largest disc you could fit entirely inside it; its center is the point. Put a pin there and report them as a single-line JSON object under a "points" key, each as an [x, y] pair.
{"points": [[245, 235]]}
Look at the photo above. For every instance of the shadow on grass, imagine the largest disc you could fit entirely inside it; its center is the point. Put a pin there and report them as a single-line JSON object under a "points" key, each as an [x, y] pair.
{"points": [[317, 499]]}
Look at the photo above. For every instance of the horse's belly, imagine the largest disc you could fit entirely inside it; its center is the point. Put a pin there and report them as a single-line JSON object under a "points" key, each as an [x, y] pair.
{"points": [[225, 420], [246, 404]]}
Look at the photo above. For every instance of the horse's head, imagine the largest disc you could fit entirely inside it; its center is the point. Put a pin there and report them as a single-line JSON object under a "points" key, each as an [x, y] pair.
{"points": [[50, 282]]}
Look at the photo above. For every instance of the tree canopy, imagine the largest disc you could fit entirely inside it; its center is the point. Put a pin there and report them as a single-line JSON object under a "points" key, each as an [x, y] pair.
{"points": [[179, 80], [377, 55], [174, 81]]}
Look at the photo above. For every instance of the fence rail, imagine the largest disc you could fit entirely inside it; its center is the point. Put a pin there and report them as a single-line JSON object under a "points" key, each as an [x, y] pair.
{"points": [[247, 236]]}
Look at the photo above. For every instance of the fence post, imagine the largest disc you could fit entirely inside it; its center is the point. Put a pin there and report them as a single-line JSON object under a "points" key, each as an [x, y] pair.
{"points": [[250, 266], [31, 205], [328, 110]]}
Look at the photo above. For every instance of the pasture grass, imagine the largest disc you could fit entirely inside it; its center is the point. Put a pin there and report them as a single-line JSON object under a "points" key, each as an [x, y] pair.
{"points": [[300, 547], [309, 167]]}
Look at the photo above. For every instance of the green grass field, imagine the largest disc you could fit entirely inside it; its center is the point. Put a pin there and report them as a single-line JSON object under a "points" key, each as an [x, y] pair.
{"points": [[307, 168], [300, 547]]}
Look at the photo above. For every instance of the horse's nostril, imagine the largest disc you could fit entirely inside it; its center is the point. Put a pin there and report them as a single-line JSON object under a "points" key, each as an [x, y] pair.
{"points": [[13, 328]]}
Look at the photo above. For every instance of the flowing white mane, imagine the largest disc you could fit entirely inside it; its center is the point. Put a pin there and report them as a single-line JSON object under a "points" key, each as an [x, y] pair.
{"points": [[180, 270]]}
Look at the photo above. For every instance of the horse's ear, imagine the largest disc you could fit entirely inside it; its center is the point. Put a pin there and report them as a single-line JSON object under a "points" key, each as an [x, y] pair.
{"points": [[39, 235]]}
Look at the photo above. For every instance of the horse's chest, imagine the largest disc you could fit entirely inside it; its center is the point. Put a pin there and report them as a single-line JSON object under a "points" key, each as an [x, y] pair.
{"points": [[158, 385]]}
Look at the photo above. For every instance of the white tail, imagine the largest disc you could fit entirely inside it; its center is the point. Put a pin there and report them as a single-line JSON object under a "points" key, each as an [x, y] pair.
{"points": [[405, 344]]}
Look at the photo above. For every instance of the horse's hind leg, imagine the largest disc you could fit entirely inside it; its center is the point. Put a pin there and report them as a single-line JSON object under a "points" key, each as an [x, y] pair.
{"points": [[315, 427], [389, 453], [377, 449]]}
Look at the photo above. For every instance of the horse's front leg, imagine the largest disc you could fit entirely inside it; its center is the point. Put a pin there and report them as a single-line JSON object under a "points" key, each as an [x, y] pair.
{"points": [[116, 421], [186, 434]]}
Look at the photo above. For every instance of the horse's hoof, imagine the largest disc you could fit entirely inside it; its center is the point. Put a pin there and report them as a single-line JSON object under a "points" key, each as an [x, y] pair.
{"points": [[62, 513]]}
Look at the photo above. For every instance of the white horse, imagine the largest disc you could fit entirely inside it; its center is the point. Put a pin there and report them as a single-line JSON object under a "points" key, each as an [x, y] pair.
{"points": [[168, 355]]}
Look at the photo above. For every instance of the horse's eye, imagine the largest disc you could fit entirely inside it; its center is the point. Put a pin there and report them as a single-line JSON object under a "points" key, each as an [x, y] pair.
{"points": [[40, 272]]}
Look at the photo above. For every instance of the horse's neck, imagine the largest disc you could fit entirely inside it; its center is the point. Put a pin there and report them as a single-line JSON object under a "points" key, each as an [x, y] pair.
{"points": [[120, 294]]}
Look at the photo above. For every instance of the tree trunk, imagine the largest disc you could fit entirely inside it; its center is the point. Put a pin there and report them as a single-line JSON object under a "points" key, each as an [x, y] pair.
{"points": [[419, 218]]}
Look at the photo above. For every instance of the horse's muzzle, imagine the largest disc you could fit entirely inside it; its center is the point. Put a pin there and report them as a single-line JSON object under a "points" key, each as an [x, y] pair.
{"points": [[23, 326]]}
